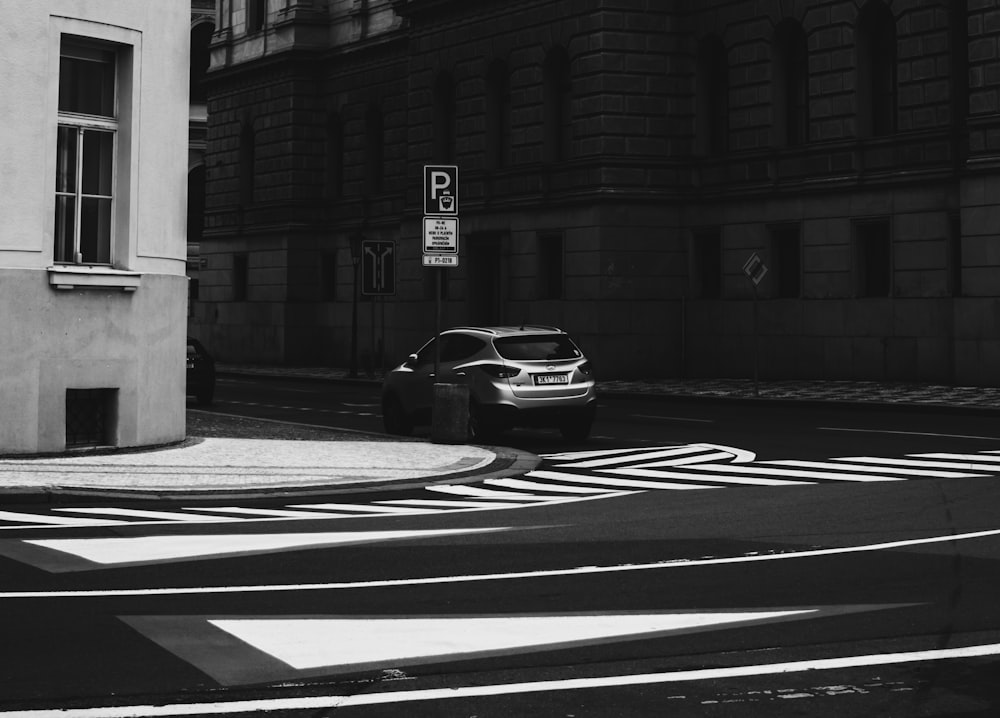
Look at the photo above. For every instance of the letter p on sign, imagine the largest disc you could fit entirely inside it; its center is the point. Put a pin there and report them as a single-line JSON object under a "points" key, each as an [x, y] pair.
{"points": [[441, 190]]}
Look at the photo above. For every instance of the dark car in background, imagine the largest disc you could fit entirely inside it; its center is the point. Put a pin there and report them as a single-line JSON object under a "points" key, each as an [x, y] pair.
{"points": [[200, 372], [517, 376]]}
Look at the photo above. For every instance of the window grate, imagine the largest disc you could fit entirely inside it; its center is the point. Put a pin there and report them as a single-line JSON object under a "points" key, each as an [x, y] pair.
{"points": [[89, 415]]}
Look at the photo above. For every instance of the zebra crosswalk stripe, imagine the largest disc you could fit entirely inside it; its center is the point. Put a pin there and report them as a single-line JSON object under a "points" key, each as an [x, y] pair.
{"points": [[838, 466], [716, 477]]}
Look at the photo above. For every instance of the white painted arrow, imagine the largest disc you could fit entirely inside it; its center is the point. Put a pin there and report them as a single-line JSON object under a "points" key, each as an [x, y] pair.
{"points": [[151, 549], [308, 643]]}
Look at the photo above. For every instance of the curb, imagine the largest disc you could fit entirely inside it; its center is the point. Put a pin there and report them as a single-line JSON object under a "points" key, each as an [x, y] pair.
{"points": [[508, 462]]}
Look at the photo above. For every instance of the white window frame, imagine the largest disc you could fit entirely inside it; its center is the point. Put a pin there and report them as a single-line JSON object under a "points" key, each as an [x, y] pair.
{"points": [[82, 124], [126, 43]]}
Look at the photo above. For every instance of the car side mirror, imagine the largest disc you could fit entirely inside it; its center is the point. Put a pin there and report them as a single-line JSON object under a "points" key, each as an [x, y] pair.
{"points": [[411, 361]]}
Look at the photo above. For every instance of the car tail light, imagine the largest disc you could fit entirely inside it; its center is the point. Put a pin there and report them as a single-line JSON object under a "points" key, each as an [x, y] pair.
{"points": [[499, 371], [586, 368]]}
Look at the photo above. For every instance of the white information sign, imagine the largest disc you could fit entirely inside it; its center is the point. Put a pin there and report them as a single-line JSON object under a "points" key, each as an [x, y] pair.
{"points": [[441, 235]]}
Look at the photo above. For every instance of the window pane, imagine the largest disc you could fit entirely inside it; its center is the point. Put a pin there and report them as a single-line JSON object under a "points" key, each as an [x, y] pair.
{"points": [[87, 84], [66, 160], [539, 348], [65, 215], [98, 149], [95, 231]]}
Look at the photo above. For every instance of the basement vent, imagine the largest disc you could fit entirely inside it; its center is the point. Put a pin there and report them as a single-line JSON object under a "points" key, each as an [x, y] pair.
{"points": [[90, 416]]}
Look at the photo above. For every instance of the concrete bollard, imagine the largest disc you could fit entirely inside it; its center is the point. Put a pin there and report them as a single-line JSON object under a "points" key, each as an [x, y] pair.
{"points": [[450, 414]]}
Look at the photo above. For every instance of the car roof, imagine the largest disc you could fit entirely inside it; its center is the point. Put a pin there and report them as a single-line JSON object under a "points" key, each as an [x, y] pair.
{"points": [[507, 331]]}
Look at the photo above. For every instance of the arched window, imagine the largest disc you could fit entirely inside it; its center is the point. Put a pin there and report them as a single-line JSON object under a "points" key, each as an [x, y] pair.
{"points": [[497, 115], [558, 118], [201, 37], [876, 70], [334, 179], [444, 119], [374, 149], [247, 168], [712, 97], [791, 84]]}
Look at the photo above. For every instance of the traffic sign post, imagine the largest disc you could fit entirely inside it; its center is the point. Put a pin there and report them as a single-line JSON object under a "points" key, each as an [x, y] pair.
{"points": [[755, 269]]}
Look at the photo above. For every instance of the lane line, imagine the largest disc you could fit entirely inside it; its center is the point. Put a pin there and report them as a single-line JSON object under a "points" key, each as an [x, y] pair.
{"points": [[517, 575], [505, 689], [671, 418], [143, 514]]}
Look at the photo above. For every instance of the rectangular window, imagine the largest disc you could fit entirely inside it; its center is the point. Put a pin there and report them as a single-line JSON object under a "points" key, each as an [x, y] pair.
{"points": [[256, 13], [85, 154], [241, 277], [786, 258], [550, 266], [873, 248], [706, 252]]}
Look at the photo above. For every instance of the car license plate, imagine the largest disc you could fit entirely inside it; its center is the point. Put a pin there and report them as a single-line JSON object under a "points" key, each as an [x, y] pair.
{"points": [[551, 379]]}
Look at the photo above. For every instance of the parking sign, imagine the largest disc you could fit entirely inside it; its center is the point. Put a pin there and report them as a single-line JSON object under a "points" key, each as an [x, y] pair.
{"points": [[441, 190]]}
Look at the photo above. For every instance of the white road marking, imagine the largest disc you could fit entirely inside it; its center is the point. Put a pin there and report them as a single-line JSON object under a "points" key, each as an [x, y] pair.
{"points": [[538, 486], [367, 509], [481, 493], [314, 703], [647, 456], [56, 520], [517, 575], [455, 504], [323, 642], [273, 513], [985, 456], [798, 473], [839, 466], [918, 463], [620, 483], [143, 514], [720, 478], [148, 549]]}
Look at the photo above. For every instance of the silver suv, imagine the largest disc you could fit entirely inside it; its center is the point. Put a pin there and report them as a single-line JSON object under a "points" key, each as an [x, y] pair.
{"points": [[517, 376]]}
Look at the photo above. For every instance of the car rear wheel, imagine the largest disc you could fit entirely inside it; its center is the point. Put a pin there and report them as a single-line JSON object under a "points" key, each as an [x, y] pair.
{"points": [[394, 417]]}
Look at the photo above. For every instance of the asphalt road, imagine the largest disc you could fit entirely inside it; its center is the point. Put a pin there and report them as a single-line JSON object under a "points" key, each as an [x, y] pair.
{"points": [[824, 569]]}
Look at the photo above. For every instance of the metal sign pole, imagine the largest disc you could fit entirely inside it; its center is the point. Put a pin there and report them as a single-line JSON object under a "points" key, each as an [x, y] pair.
{"points": [[437, 321]]}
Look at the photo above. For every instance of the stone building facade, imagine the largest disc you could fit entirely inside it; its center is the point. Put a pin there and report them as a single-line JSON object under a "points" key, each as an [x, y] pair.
{"points": [[620, 162], [92, 282]]}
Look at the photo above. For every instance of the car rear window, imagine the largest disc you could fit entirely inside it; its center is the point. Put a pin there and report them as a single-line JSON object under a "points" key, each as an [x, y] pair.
{"points": [[543, 347]]}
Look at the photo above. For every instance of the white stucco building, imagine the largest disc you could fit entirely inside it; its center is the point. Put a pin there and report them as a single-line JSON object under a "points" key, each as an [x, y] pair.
{"points": [[92, 223]]}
